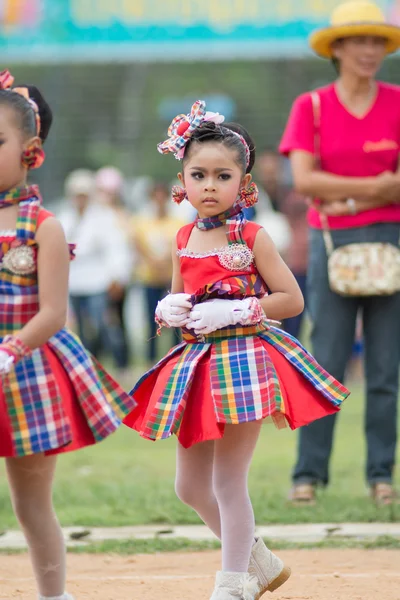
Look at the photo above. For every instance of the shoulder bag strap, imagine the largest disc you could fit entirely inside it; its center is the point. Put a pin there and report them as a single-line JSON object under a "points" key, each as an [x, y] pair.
{"points": [[316, 104]]}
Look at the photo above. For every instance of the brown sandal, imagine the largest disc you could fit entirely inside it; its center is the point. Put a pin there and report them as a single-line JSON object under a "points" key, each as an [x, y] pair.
{"points": [[384, 494], [302, 494]]}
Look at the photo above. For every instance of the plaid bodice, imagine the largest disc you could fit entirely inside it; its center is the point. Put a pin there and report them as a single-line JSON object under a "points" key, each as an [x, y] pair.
{"points": [[19, 298], [19, 295]]}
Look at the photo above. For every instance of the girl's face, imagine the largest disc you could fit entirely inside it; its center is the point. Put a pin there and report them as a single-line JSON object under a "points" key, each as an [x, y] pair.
{"points": [[212, 178], [12, 145], [361, 55]]}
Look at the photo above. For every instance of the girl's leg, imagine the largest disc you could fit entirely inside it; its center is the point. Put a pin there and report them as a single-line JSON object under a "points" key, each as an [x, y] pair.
{"points": [[31, 480], [232, 459], [194, 482]]}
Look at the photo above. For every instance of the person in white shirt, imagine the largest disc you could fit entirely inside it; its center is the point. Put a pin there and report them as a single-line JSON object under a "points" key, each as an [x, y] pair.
{"points": [[110, 183], [103, 260]]}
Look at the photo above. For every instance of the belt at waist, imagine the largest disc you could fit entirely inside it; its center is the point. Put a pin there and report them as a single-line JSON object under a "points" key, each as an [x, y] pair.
{"points": [[223, 334]]}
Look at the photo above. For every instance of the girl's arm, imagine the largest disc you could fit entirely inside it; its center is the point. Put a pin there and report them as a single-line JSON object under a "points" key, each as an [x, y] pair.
{"points": [[177, 286], [286, 299], [53, 271], [332, 188]]}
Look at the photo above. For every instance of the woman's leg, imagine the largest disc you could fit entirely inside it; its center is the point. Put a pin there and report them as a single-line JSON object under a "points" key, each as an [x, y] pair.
{"points": [[382, 359], [332, 341], [232, 459], [31, 480], [194, 482]]}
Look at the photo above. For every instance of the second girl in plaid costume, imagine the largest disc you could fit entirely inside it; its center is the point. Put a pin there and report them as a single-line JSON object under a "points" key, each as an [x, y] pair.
{"points": [[234, 368], [54, 397]]}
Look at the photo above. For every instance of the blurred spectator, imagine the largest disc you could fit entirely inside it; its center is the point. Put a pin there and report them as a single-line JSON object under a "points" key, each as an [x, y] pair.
{"points": [[102, 260], [274, 222], [294, 207], [153, 235], [109, 189], [269, 171]]}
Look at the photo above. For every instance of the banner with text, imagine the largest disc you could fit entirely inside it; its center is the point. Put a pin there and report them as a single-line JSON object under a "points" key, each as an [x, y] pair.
{"points": [[154, 30]]}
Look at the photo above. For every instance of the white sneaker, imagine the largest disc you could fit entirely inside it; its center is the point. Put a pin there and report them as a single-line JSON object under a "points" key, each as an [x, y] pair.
{"points": [[267, 568], [234, 586]]}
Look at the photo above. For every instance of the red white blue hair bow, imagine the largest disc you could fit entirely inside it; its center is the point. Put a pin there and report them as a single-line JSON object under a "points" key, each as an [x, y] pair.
{"points": [[182, 127]]}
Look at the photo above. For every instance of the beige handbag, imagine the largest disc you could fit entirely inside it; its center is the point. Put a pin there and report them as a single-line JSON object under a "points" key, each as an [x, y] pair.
{"points": [[360, 269]]}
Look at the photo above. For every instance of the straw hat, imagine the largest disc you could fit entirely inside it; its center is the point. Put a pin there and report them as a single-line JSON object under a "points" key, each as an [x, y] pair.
{"points": [[355, 18]]}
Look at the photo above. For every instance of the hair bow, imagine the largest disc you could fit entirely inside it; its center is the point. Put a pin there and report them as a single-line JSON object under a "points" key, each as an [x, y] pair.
{"points": [[6, 80], [182, 127]]}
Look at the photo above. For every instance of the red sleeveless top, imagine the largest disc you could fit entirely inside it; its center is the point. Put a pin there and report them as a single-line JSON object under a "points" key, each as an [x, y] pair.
{"points": [[201, 269]]}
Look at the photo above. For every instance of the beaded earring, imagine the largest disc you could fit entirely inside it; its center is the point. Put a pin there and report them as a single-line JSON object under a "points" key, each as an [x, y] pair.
{"points": [[179, 194], [33, 157], [248, 196]]}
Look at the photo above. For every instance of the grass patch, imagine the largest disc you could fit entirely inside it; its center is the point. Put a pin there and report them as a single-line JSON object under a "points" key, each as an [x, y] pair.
{"points": [[129, 481], [157, 545]]}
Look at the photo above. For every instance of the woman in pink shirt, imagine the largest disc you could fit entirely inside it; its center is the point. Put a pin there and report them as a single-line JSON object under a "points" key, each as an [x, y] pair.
{"points": [[345, 155]]}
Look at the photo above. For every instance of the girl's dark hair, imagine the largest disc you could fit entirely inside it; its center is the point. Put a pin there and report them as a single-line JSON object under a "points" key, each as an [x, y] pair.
{"points": [[26, 113], [225, 134]]}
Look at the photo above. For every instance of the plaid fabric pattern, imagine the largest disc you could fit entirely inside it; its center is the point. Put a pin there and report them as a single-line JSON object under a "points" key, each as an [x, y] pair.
{"points": [[219, 220], [234, 229], [17, 194], [103, 402], [306, 364], [34, 403], [177, 141], [27, 218], [238, 287], [168, 412], [18, 304], [233, 331], [34, 407], [244, 383]]}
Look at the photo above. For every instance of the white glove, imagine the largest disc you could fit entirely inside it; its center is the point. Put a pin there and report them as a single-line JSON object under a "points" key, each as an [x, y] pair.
{"points": [[211, 315], [6, 362], [174, 310]]}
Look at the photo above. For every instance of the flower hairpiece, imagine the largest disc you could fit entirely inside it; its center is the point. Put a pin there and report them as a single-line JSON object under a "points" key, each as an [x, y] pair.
{"points": [[181, 129]]}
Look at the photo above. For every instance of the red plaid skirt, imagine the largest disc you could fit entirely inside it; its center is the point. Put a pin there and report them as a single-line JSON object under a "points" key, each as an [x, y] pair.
{"points": [[303, 403], [81, 433]]}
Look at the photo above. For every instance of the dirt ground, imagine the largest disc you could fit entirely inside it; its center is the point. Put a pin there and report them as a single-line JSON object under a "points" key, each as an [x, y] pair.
{"points": [[317, 575]]}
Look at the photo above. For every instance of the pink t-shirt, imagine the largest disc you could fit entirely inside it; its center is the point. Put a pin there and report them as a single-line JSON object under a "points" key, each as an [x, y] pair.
{"points": [[350, 146]]}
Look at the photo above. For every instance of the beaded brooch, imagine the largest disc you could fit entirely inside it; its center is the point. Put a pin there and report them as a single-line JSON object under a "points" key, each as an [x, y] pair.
{"points": [[235, 257]]}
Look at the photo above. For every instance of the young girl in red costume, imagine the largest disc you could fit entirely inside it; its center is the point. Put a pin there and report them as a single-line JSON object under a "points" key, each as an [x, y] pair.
{"points": [[54, 397], [234, 368]]}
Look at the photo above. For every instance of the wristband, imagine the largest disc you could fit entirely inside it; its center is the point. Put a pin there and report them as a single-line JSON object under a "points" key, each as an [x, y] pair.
{"points": [[15, 347], [255, 313]]}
